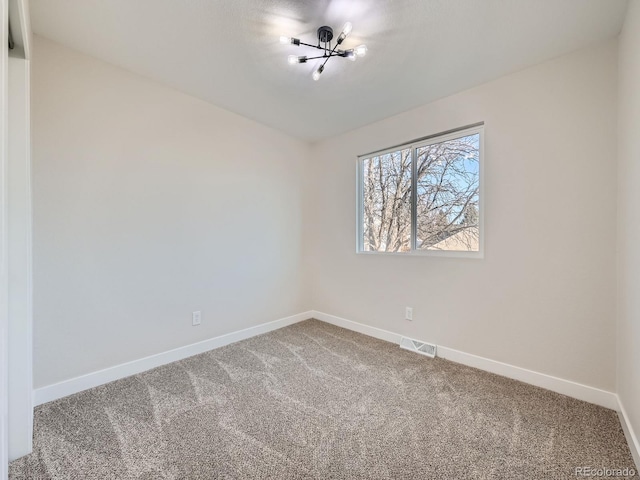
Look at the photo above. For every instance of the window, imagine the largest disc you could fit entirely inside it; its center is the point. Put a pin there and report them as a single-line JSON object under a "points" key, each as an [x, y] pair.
{"points": [[423, 197]]}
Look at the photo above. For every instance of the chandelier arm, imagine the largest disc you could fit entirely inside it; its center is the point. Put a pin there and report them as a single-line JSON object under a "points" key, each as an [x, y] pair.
{"points": [[309, 45], [335, 51], [325, 56]]}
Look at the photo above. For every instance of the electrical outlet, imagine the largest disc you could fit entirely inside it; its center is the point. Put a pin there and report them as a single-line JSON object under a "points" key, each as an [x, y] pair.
{"points": [[408, 313], [196, 318]]}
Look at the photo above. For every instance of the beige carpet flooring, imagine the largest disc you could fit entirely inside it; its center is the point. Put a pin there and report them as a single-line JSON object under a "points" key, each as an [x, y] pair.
{"points": [[313, 401]]}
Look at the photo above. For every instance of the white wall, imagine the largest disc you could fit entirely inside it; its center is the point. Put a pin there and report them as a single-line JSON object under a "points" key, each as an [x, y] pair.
{"points": [[629, 219], [543, 298], [148, 205], [4, 270], [20, 377]]}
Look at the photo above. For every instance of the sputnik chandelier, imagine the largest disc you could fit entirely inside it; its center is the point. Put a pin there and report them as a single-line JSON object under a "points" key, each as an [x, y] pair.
{"points": [[325, 35]]}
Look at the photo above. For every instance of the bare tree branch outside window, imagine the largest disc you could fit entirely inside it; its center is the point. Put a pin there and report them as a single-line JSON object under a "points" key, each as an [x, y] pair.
{"points": [[446, 198], [387, 202]]}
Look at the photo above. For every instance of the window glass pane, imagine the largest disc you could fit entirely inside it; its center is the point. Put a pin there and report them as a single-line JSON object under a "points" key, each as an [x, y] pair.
{"points": [[448, 182], [386, 205]]}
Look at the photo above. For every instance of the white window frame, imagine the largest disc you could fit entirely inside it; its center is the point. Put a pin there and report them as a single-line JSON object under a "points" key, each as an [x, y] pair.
{"points": [[414, 145]]}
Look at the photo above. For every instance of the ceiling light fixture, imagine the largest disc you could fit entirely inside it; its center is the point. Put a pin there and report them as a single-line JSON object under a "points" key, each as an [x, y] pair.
{"points": [[325, 35]]}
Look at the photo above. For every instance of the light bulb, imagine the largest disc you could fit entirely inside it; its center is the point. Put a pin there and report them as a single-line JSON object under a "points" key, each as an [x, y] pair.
{"points": [[361, 50], [316, 74], [347, 28], [351, 55], [293, 59], [285, 40]]}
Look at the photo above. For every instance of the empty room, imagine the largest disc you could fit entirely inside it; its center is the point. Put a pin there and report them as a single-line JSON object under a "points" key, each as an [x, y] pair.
{"points": [[319, 239]]}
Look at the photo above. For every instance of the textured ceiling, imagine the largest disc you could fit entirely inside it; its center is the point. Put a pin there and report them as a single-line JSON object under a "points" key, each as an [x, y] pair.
{"points": [[227, 51]]}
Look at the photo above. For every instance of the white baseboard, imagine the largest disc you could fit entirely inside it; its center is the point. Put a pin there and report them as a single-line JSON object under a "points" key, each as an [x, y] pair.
{"points": [[559, 385], [358, 327], [555, 384], [629, 433], [94, 379]]}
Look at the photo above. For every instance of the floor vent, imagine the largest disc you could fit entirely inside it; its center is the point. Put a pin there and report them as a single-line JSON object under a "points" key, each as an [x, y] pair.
{"points": [[422, 348]]}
